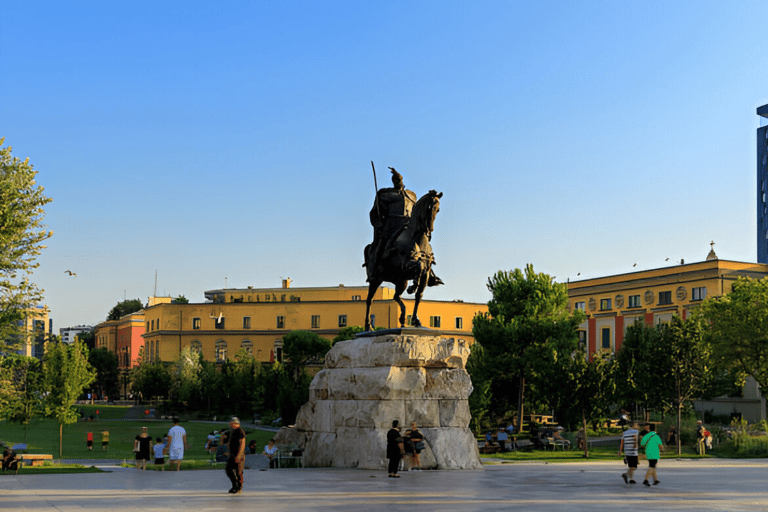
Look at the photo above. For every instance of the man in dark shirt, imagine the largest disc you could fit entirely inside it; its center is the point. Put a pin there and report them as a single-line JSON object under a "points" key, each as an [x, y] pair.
{"points": [[395, 449], [236, 461]]}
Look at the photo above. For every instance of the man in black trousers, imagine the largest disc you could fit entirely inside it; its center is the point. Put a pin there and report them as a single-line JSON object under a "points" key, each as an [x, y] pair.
{"points": [[236, 460], [395, 449]]}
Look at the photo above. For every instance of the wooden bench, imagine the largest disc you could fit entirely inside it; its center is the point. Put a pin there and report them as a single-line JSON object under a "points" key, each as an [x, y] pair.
{"points": [[36, 459], [490, 448], [523, 444]]}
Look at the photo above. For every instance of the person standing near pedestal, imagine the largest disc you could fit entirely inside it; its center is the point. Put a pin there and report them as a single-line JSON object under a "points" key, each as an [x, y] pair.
{"points": [[177, 443], [395, 449], [236, 460]]}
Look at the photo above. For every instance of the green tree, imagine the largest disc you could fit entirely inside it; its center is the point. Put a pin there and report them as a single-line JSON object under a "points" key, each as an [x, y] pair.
{"points": [[21, 239], [180, 300], [107, 375], [88, 338], [151, 379], [481, 398], [185, 377], [66, 373], [300, 347], [641, 374], [347, 333], [688, 364], [123, 308], [21, 388], [527, 327], [591, 383], [737, 335]]}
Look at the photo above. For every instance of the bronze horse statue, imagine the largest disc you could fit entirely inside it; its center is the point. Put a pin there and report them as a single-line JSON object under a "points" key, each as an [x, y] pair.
{"points": [[407, 256]]}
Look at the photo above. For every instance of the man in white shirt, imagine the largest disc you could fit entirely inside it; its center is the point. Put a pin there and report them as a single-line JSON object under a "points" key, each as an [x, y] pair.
{"points": [[177, 443], [629, 446]]}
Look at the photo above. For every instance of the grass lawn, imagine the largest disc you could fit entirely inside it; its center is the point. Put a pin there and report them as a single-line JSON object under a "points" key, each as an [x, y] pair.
{"points": [[42, 436], [58, 469]]}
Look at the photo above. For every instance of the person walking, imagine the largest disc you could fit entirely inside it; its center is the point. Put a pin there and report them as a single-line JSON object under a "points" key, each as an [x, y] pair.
{"points": [[653, 445], [141, 445], [104, 439], [177, 443], [395, 449], [236, 461], [629, 446]]}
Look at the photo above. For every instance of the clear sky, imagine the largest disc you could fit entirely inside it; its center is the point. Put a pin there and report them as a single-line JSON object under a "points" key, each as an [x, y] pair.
{"points": [[230, 142]]}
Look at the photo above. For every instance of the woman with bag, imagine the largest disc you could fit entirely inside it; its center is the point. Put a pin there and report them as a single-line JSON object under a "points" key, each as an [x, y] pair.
{"points": [[141, 447], [417, 441]]}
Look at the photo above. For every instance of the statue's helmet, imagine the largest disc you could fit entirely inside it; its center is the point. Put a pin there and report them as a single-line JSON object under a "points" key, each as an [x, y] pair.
{"points": [[397, 179]]}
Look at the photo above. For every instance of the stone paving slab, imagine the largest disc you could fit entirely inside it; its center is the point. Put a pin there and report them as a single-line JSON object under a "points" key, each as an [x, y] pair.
{"points": [[584, 486]]}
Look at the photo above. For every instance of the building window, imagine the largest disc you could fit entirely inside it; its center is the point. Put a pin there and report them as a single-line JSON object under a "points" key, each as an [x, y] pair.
{"points": [[634, 301], [281, 322], [342, 320], [665, 298], [196, 346], [459, 322], [580, 306], [434, 321], [582, 339], [315, 321], [247, 345], [148, 329], [605, 336], [356, 297], [699, 293], [246, 322], [279, 351], [605, 304], [195, 323], [219, 322], [221, 351]]}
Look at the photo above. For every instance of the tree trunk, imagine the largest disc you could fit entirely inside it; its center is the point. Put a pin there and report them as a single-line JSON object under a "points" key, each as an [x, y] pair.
{"points": [[520, 397], [679, 415], [584, 424], [61, 438]]}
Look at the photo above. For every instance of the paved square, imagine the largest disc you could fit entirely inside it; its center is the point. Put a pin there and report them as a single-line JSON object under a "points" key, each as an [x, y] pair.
{"points": [[685, 485]]}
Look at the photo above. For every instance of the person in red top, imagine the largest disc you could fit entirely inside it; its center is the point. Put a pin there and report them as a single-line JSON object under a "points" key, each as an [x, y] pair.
{"points": [[89, 440]]}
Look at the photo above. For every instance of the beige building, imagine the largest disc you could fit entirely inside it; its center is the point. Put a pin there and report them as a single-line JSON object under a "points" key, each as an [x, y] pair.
{"points": [[256, 319]]}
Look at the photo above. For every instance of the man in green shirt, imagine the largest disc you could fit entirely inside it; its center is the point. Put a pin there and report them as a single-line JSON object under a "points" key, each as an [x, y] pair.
{"points": [[652, 443]]}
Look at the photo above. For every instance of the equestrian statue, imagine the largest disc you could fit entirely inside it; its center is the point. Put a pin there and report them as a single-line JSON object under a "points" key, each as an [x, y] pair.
{"points": [[400, 251]]}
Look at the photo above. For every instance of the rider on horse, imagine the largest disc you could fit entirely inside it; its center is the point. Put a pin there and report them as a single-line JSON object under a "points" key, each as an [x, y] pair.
{"points": [[390, 213]]}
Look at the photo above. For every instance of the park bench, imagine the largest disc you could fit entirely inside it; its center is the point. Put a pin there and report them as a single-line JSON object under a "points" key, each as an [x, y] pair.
{"points": [[490, 448], [36, 459], [524, 445]]}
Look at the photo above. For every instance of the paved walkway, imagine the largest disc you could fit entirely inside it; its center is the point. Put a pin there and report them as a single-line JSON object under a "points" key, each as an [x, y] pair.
{"points": [[585, 486]]}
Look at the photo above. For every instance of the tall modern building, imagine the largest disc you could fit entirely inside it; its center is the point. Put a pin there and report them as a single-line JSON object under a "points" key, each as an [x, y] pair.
{"points": [[762, 185]]}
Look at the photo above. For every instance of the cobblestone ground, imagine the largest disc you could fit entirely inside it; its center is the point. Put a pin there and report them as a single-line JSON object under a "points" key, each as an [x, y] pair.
{"points": [[685, 485]]}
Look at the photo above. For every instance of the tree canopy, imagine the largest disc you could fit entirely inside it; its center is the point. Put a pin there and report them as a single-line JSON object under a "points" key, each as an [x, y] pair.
{"points": [[738, 328], [21, 239], [299, 347], [527, 327], [66, 373], [123, 308]]}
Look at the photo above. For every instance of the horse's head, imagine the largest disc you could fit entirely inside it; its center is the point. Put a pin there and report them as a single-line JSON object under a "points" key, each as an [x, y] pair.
{"points": [[425, 210]]}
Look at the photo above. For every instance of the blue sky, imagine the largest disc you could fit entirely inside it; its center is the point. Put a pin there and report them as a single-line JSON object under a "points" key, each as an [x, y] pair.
{"points": [[233, 140]]}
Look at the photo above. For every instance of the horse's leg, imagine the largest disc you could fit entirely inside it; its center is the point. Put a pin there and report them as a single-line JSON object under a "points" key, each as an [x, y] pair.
{"points": [[399, 289], [419, 292], [372, 287]]}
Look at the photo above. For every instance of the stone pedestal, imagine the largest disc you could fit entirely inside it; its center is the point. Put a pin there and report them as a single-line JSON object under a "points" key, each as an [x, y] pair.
{"points": [[401, 374]]}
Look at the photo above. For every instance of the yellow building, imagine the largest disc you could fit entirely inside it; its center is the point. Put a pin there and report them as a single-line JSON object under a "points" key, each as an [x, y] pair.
{"points": [[256, 319], [613, 303]]}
